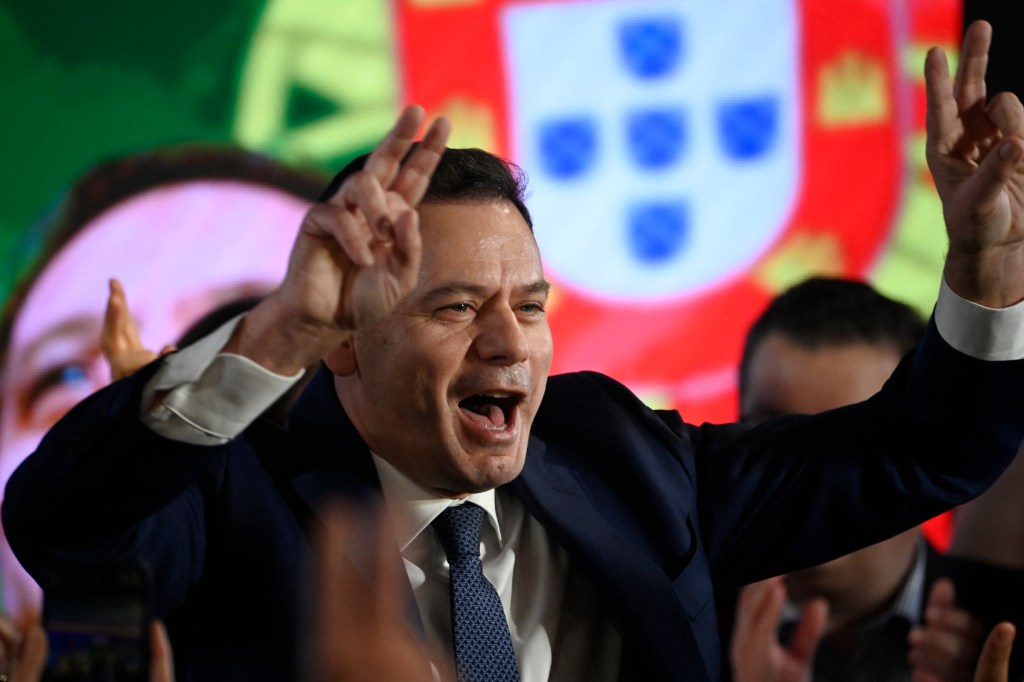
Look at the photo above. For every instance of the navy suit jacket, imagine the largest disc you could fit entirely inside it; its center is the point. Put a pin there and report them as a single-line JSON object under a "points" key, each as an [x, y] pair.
{"points": [[655, 511]]}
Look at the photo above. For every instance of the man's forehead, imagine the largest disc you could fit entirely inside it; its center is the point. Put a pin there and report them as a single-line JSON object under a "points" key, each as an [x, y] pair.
{"points": [[485, 269], [165, 245], [488, 230]]}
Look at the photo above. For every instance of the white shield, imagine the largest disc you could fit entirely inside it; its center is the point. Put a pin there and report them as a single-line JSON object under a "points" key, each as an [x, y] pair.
{"points": [[661, 138]]}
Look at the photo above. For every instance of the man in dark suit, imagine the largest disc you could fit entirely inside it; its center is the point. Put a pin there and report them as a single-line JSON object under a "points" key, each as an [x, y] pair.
{"points": [[601, 522]]}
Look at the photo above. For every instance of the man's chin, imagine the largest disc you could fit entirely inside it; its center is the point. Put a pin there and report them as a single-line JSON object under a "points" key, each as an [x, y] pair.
{"points": [[487, 471]]}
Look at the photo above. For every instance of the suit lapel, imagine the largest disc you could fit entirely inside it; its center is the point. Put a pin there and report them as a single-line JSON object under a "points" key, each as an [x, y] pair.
{"points": [[639, 591], [329, 457], [331, 462]]}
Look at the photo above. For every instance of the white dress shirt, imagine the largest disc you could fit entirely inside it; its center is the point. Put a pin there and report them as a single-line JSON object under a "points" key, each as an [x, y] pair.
{"points": [[545, 623]]}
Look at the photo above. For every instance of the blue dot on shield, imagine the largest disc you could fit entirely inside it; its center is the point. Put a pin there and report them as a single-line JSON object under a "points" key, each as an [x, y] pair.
{"points": [[651, 47], [656, 138], [657, 231], [568, 147], [748, 127]]}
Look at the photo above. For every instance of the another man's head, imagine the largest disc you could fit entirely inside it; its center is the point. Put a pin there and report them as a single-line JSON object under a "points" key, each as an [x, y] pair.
{"points": [[446, 386], [823, 344], [183, 228]]}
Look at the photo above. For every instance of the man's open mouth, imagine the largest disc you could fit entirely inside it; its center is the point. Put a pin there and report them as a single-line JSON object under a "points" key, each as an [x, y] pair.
{"points": [[491, 410]]}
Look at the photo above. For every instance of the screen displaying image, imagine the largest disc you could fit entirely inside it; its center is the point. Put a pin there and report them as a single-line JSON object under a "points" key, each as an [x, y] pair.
{"points": [[687, 160]]}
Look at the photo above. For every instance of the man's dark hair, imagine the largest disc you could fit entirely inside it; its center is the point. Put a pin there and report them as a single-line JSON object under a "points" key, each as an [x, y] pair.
{"points": [[462, 175], [826, 311]]}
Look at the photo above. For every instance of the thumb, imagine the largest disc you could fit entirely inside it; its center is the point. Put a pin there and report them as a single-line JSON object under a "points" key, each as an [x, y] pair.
{"points": [[994, 664], [995, 171]]}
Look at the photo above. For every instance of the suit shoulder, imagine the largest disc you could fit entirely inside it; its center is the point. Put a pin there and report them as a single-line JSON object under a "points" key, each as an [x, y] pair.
{"points": [[576, 389], [592, 394]]}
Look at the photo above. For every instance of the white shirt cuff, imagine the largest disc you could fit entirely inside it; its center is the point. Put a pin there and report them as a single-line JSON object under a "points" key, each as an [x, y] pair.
{"points": [[977, 331], [211, 396]]}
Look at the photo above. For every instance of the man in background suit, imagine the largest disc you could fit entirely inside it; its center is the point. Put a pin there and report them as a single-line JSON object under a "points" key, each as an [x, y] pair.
{"points": [[604, 521], [819, 345]]}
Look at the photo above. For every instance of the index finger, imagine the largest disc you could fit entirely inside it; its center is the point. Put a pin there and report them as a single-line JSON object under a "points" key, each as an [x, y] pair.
{"points": [[386, 158], [117, 302], [119, 330], [942, 112]]}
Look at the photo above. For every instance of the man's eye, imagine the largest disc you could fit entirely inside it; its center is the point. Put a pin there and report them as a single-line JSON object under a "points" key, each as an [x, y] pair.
{"points": [[53, 393], [459, 307], [62, 375], [532, 308]]}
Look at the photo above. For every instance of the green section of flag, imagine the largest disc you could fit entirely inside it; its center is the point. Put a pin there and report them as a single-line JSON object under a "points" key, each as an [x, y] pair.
{"points": [[88, 81]]}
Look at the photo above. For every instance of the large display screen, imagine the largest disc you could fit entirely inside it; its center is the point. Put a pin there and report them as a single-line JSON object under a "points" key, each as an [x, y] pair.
{"points": [[688, 159]]}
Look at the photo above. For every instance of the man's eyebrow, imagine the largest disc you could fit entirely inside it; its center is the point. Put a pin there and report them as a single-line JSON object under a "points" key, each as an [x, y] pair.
{"points": [[541, 286], [79, 326], [459, 288], [456, 288]]}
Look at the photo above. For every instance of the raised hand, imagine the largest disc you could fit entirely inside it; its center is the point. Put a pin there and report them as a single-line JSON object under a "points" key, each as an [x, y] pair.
{"points": [[119, 339], [755, 652], [945, 648], [354, 258], [975, 153]]}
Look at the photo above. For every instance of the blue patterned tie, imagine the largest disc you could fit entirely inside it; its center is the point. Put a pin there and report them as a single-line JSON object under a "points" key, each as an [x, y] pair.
{"points": [[483, 646]]}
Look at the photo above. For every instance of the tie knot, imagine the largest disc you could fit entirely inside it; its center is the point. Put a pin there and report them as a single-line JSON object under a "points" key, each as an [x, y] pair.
{"points": [[458, 527]]}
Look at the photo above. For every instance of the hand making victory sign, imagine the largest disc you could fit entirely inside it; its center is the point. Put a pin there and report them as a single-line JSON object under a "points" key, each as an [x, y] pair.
{"points": [[356, 254], [975, 151]]}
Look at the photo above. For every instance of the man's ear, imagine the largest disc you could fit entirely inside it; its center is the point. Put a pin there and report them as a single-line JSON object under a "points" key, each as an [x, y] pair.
{"points": [[342, 360]]}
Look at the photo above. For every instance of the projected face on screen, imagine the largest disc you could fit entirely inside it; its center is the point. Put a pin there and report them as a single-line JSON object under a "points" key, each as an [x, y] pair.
{"points": [[180, 250]]}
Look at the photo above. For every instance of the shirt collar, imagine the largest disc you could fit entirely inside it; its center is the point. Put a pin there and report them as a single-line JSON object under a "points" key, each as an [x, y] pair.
{"points": [[412, 507], [908, 602]]}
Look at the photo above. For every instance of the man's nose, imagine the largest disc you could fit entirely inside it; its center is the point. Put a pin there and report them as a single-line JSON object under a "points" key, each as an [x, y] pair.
{"points": [[502, 339]]}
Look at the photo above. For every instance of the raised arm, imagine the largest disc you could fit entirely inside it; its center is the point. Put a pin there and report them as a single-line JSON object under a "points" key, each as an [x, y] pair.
{"points": [[353, 258]]}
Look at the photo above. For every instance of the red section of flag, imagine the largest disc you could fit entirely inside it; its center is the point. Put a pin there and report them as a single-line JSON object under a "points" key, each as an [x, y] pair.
{"points": [[684, 352]]}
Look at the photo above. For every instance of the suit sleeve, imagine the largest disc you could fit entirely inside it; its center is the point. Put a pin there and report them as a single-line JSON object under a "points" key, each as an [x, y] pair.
{"points": [[797, 491], [101, 486]]}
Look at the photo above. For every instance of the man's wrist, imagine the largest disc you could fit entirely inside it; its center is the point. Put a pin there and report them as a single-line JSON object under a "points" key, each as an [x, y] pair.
{"points": [[993, 278], [280, 343]]}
